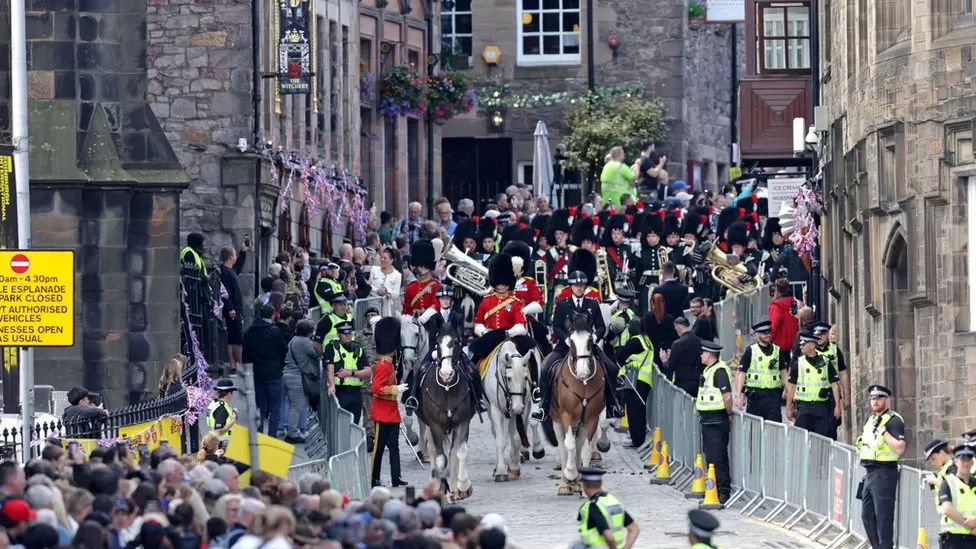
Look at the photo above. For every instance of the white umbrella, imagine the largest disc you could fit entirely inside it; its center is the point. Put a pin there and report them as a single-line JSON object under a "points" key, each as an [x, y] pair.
{"points": [[542, 175]]}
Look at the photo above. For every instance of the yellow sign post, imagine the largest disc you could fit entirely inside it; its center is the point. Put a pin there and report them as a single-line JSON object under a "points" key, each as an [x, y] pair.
{"points": [[37, 296], [274, 456]]}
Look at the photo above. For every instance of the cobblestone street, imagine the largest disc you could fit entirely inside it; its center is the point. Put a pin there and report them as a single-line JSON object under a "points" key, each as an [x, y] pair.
{"points": [[539, 519]]}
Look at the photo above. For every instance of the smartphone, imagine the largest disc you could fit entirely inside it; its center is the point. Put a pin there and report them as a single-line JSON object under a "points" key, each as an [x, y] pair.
{"points": [[410, 495], [122, 449], [793, 307], [74, 451], [247, 241], [144, 453]]}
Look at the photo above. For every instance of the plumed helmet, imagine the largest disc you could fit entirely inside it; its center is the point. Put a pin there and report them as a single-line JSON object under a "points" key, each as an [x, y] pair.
{"points": [[422, 254], [487, 228], [772, 227], [738, 234], [584, 261], [521, 255], [386, 334], [501, 271], [583, 230], [637, 225], [694, 221]]}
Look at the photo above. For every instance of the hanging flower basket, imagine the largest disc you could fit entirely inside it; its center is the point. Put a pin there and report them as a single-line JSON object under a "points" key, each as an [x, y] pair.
{"points": [[449, 94], [696, 13], [402, 92], [367, 87]]}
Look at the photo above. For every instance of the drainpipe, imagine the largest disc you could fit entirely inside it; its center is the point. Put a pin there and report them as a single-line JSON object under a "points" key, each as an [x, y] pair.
{"points": [[256, 135], [430, 121]]}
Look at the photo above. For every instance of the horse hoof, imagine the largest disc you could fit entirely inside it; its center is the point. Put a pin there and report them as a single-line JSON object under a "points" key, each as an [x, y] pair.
{"points": [[603, 446], [524, 456], [596, 456], [514, 474], [539, 454], [501, 478], [464, 494], [565, 490], [412, 438]]}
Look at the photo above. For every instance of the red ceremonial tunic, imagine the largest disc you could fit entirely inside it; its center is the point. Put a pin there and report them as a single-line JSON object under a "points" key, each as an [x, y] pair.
{"points": [[384, 388], [503, 317], [527, 290], [590, 292], [420, 296]]}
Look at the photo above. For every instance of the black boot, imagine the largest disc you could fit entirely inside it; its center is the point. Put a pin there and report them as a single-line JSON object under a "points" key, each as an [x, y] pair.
{"points": [[541, 397], [477, 388], [410, 403]]}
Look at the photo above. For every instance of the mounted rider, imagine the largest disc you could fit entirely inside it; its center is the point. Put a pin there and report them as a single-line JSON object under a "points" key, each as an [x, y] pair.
{"points": [[528, 292], [421, 294], [500, 315], [583, 259], [577, 303]]}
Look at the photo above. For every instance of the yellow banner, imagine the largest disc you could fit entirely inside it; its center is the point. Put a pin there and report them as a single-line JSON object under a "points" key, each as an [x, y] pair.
{"points": [[87, 445], [154, 433], [274, 456]]}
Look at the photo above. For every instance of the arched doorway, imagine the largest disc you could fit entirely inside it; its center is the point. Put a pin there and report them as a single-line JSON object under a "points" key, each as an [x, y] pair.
{"points": [[900, 374]]}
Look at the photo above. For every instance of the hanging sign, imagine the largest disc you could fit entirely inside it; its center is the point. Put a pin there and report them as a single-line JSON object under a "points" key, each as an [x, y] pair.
{"points": [[295, 47], [37, 296], [725, 11]]}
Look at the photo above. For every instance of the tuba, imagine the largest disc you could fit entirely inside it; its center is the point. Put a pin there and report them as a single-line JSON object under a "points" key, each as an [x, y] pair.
{"points": [[727, 275], [465, 272], [541, 273], [603, 273]]}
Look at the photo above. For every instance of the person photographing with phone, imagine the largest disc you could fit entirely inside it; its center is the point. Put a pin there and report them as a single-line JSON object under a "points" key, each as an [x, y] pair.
{"points": [[82, 418]]}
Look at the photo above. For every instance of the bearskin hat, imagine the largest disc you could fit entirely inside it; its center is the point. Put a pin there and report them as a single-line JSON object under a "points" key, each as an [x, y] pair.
{"points": [[747, 205], [466, 228], [726, 217], [521, 255], [558, 221], [694, 221], [487, 228], [583, 229], [738, 234], [762, 207], [653, 224], [583, 260], [637, 225], [510, 233], [501, 271], [671, 224], [539, 224], [422, 254], [386, 334], [772, 227], [615, 221]]}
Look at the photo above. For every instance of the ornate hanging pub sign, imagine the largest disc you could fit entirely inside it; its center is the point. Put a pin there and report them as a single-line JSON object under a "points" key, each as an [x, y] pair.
{"points": [[295, 60]]}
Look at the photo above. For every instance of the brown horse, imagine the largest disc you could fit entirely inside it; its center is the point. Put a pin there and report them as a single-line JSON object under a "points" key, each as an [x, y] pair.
{"points": [[578, 404]]}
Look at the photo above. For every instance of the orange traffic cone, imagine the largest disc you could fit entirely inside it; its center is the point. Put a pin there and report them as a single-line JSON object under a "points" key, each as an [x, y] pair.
{"points": [[698, 482], [711, 491], [923, 543], [655, 456], [624, 425], [663, 475]]}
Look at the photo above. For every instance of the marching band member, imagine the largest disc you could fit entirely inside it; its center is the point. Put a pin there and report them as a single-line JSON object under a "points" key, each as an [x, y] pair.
{"points": [[487, 233], [500, 315], [528, 292], [421, 293], [622, 260], [557, 234], [650, 257], [584, 261], [737, 238]]}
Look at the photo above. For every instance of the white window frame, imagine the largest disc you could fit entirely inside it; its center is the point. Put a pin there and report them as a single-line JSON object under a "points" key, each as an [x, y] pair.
{"points": [[541, 59], [454, 35], [971, 255], [520, 171]]}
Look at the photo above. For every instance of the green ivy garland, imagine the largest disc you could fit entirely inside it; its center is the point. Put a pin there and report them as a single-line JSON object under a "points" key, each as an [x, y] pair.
{"points": [[500, 96]]}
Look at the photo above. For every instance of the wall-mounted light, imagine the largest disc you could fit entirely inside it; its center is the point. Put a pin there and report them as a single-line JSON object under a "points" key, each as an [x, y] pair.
{"points": [[614, 42], [496, 120]]}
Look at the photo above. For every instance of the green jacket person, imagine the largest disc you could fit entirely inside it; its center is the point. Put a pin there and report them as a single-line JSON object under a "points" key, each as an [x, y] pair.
{"points": [[220, 416], [602, 519]]}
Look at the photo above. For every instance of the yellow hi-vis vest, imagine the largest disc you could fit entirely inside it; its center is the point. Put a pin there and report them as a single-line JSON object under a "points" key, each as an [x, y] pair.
{"points": [[811, 382], [941, 475], [964, 501], [709, 396], [612, 511], [325, 307], [333, 335], [642, 362], [628, 315], [349, 361], [197, 260], [763, 371], [871, 445], [212, 422], [830, 353]]}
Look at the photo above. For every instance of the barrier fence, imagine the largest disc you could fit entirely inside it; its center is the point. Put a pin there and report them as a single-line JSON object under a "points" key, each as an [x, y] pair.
{"points": [[782, 474]]}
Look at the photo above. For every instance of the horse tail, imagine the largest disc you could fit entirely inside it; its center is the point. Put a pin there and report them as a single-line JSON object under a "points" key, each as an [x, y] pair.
{"points": [[549, 432]]}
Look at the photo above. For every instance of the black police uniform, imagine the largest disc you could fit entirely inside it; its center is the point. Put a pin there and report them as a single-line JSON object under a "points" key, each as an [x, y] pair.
{"points": [[951, 540], [764, 402], [348, 393], [716, 428], [816, 417], [880, 485]]}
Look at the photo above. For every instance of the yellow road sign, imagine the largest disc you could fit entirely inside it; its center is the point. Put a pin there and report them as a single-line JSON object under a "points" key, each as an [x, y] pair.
{"points": [[37, 297], [274, 456]]}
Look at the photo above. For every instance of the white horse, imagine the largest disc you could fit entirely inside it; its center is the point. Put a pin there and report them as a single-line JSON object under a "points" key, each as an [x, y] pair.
{"points": [[414, 340], [507, 384]]}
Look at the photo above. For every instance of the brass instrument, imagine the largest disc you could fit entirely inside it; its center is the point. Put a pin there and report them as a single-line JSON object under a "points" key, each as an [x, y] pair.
{"points": [[663, 256], [603, 274], [465, 272], [728, 275], [542, 275]]}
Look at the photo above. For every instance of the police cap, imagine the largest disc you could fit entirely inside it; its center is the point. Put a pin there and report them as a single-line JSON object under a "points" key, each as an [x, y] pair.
{"points": [[970, 434], [225, 385], [338, 298], [445, 291], [624, 294], [344, 327], [711, 347], [808, 337], [820, 328], [879, 391], [934, 447], [965, 450], [577, 277], [763, 327], [702, 523], [591, 474], [371, 311]]}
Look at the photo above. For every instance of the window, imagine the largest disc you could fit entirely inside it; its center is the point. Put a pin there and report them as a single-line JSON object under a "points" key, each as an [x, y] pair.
{"points": [[456, 32], [549, 32], [524, 175], [970, 253], [784, 36]]}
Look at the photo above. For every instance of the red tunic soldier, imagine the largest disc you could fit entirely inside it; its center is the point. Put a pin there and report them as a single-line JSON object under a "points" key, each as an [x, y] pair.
{"points": [[528, 292], [421, 294], [384, 410], [500, 315], [584, 261]]}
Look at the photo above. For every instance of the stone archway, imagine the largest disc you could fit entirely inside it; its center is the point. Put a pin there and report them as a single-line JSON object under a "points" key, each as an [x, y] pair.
{"points": [[899, 371]]}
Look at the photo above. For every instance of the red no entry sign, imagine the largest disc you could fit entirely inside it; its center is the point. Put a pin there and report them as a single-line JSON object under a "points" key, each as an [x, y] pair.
{"points": [[19, 263]]}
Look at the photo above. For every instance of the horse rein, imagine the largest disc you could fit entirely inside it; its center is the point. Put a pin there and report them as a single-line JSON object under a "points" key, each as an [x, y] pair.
{"points": [[503, 385]]}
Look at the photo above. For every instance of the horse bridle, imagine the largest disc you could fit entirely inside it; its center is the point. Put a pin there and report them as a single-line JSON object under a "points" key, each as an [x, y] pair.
{"points": [[420, 337], [503, 384], [456, 377], [588, 356]]}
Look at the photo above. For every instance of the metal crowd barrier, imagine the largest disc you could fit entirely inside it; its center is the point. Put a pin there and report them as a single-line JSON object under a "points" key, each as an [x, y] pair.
{"points": [[782, 474]]}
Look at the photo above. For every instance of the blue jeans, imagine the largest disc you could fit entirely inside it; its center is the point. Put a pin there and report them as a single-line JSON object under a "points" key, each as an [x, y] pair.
{"points": [[269, 395]]}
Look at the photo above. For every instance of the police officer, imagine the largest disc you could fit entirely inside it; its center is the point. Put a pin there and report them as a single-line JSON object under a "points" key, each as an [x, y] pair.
{"points": [[327, 286], [938, 455], [811, 381], [603, 522], [714, 405], [637, 356], [832, 352], [761, 375], [347, 370], [325, 330], [957, 503], [880, 445], [192, 253], [619, 328], [220, 416], [701, 526]]}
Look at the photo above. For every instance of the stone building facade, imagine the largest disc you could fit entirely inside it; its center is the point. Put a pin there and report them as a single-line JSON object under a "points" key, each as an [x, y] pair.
{"points": [[106, 183], [900, 182], [688, 69]]}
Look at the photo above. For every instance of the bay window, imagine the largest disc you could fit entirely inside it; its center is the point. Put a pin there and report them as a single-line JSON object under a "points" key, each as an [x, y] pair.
{"points": [[548, 32], [784, 37]]}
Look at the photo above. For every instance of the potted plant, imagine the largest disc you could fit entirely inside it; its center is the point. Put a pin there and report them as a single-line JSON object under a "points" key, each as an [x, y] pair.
{"points": [[696, 13], [449, 94], [402, 92]]}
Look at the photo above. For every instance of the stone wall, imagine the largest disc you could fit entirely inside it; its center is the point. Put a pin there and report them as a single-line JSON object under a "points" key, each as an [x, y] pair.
{"points": [[898, 158]]}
